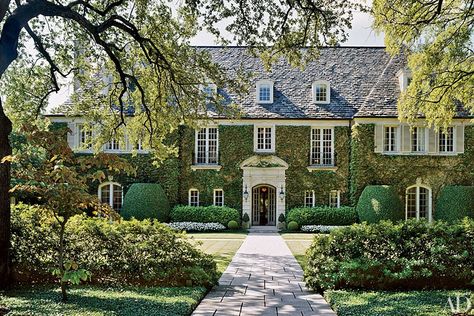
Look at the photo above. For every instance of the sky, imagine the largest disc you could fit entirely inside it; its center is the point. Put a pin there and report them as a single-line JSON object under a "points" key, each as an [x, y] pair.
{"points": [[361, 34]]}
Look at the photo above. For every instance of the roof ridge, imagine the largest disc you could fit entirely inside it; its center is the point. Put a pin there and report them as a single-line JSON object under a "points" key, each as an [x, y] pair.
{"points": [[305, 47]]}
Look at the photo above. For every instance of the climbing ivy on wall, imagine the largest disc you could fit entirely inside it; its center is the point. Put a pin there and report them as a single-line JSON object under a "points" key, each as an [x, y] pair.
{"points": [[292, 145], [368, 167]]}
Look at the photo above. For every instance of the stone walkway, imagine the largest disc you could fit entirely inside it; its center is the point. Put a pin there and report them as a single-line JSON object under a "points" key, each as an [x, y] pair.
{"points": [[263, 278]]}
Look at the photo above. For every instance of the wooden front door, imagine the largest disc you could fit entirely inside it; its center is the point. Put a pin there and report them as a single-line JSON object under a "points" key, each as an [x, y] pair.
{"points": [[263, 205]]}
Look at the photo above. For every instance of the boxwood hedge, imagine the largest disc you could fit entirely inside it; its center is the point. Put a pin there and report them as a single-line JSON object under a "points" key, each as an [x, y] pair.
{"points": [[323, 216], [406, 255], [124, 252], [379, 202], [146, 200], [204, 214], [455, 202]]}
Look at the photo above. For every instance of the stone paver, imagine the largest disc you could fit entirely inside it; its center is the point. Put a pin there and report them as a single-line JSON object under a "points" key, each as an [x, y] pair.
{"points": [[264, 279]]}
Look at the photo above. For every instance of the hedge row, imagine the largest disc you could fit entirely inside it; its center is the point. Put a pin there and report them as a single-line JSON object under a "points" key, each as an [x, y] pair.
{"points": [[133, 252], [146, 200], [204, 214], [455, 202], [327, 216], [406, 255]]}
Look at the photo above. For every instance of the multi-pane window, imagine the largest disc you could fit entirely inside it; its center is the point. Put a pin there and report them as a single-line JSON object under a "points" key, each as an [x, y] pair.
{"points": [[309, 198], [320, 92], [85, 136], [322, 151], [264, 138], [193, 197], [334, 198], [207, 145], [111, 194], [219, 197], [264, 92], [418, 202], [390, 140], [446, 140], [113, 144], [418, 140]]}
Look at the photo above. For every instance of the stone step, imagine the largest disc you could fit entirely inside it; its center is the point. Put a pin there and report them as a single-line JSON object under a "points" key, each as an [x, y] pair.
{"points": [[263, 229]]}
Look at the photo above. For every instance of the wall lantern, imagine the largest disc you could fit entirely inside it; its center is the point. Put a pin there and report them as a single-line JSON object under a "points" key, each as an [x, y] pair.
{"points": [[246, 193], [282, 193]]}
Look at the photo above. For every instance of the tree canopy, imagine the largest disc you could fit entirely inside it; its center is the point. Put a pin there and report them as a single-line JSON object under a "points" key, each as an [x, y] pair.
{"points": [[437, 37]]}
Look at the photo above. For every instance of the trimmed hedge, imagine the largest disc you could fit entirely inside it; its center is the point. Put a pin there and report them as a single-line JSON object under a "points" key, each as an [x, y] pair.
{"points": [[454, 203], [328, 216], [146, 200], [406, 255], [204, 214], [126, 252], [233, 225], [293, 226], [379, 202]]}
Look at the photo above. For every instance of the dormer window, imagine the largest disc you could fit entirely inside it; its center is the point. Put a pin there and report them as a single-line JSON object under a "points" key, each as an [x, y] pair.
{"points": [[404, 79], [209, 90], [321, 92], [265, 91]]}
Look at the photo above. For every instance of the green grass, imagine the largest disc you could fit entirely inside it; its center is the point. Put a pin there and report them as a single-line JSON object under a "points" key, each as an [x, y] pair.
{"points": [[222, 246], [94, 300], [416, 303], [298, 244]]}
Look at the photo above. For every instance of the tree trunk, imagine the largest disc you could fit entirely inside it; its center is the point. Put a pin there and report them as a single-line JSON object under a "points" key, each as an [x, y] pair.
{"points": [[61, 261], [5, 150]]}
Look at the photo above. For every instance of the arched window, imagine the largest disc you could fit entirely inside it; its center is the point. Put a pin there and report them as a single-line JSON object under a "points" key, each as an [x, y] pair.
{"points": [[111, 193], [418, 202]]}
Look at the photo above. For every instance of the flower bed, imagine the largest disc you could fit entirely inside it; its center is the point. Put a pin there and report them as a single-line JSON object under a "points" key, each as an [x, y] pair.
{"points": [[318, 228], [196, 226]]}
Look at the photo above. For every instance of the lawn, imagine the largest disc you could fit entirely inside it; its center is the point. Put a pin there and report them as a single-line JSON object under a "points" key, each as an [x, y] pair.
{"points": [[222, 246], [88, 300], [419, 303], [298, 243]]}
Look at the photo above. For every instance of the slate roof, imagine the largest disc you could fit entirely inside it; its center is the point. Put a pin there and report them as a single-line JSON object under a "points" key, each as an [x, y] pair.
{"points": [[363, 82]]}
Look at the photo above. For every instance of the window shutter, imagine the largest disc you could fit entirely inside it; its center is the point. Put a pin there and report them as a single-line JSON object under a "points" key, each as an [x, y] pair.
{"points": [[72, 135], [378, 138], [460, 139], [432, 141], [406, 138]]}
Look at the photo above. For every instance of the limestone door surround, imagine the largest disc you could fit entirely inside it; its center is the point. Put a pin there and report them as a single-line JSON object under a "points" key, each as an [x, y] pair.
{"points": [[261, 170]]}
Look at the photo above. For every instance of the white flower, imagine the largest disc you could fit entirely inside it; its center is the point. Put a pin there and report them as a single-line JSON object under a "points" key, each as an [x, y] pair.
{"points": [[318, 228], [196, 226]]}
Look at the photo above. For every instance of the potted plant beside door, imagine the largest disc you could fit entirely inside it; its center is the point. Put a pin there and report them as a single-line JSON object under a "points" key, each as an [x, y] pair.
{"points": [[245, 221], [281, 221]]}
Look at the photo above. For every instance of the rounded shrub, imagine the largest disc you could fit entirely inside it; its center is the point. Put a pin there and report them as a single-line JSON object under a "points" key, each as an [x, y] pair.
{"points": [[327, 216], [454, 203], [388, 256], [281, 218], [146, 200], [379, 202], [233, 225], [245, 218], [293, 226]]}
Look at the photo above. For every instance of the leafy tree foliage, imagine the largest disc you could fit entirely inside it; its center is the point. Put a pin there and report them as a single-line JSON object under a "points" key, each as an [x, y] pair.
{"points": [[61, 183], [437, 37]]}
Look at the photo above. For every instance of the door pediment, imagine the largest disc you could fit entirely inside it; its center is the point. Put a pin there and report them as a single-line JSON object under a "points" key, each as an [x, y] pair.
{"points": [[259, 161]]}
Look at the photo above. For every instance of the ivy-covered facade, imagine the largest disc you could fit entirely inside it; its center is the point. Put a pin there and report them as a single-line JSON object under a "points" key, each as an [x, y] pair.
{"points": [[308, 137]]}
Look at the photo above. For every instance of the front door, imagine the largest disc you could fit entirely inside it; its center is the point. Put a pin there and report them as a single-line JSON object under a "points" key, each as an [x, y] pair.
{"points": [[263, 205]]}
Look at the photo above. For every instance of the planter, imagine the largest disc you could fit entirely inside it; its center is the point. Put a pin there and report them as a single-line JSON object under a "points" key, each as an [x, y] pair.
{"points": [[281, 225], [245, 225]]}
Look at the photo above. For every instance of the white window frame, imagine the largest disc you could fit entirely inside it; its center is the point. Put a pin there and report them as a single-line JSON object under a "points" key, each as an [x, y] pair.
{"points": [[189, 196], [425, 136], [313, 198], [430, 202], [338, 194], [272, 140], [257, 93], [321, 146], [328, 91], [397, 140], [110, 142], [88, 134], [110, 184], [215, 197], [438, 139], [403, 76], [196, 147]]}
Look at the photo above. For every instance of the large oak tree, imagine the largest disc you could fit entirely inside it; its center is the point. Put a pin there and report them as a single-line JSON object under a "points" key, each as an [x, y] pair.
{"points": [[124, 52]]}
